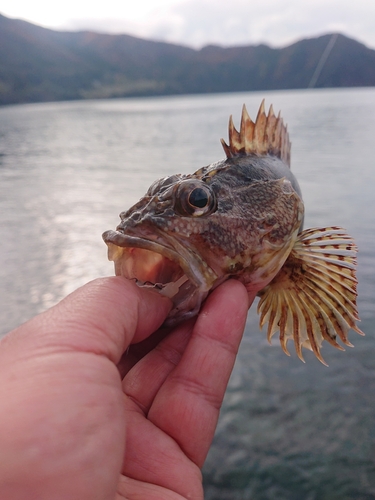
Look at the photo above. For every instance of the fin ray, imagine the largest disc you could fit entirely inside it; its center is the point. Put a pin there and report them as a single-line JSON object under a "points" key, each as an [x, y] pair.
{"points": [[267, 135], [313, 297]]}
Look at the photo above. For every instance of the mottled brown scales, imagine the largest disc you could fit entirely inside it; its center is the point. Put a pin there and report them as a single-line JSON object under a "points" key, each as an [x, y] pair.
{"points": [[242, 217]]}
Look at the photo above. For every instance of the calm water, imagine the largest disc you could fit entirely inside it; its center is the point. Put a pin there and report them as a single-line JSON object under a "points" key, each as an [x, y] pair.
{"points": [[288, 430]]}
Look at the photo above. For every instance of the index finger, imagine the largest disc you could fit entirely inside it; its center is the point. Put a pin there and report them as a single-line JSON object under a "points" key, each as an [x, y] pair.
{"points": [[188, 404]]}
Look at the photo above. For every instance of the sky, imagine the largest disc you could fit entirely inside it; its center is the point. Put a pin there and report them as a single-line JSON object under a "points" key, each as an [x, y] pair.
{"points": [[196, 23]]}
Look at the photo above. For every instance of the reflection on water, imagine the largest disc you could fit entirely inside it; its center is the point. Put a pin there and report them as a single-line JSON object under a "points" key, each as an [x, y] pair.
{"points": [[287, 430]]}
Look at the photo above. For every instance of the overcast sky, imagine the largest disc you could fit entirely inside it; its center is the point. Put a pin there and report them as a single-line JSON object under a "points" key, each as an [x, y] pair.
{"points": [[200, 22]]}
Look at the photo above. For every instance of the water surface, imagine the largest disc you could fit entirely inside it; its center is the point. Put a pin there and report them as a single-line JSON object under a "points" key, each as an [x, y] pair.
{"points": [[288, 430]]}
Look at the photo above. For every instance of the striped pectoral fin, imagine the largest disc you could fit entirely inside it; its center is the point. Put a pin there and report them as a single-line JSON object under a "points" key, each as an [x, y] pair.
{"points": [[313, 297]]}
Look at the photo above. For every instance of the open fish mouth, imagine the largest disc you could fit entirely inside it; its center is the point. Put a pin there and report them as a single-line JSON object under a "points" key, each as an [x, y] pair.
{"points": [[165, 266]]}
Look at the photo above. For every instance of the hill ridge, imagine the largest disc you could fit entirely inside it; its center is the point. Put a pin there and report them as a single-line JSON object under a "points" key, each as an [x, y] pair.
{"points": [[40, 64]]}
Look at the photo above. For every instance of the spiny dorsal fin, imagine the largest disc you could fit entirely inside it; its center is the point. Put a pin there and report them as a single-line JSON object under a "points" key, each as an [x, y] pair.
{"points": [[313, 297], [267, 135]]}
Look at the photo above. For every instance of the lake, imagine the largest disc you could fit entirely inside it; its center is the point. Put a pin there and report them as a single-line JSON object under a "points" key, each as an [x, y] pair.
{"points": [[288, 430]]}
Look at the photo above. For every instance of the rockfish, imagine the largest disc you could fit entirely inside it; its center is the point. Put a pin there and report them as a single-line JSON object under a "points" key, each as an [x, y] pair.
{"points": [[242, 218]]}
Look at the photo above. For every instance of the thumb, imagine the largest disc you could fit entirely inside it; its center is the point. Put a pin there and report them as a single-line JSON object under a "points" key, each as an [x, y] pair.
{"points": [[103, 317]]}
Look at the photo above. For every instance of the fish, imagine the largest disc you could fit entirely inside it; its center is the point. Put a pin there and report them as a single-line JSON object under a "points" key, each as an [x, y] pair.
{"points": [[242, 218]]}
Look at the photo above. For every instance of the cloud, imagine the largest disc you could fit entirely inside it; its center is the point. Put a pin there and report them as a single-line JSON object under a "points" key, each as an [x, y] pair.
{"points": [[201, 22], [271, 21]]}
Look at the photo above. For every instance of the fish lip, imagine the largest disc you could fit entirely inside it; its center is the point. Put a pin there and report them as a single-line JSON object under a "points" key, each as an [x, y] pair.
{"points": [[189, 262]]}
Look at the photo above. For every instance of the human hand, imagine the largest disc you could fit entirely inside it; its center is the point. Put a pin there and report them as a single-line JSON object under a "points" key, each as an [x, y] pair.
{"points": [[70, 428]]}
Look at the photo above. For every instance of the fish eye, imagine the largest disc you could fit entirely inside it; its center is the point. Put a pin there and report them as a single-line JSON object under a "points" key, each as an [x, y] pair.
{"points": [[198, 198], [195, 198]]}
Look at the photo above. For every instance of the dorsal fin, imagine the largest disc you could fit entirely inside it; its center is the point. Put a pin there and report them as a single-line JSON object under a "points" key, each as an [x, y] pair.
{"points": [[267, 135]]}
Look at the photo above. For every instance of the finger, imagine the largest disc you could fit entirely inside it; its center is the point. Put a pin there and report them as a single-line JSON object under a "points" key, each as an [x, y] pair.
{"points": [[136, 352], [146, 377], [188, 404], [102, 317], [131, 489]]}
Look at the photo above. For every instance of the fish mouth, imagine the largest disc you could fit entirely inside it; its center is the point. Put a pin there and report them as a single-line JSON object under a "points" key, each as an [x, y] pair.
{"points": [[165, 265]]}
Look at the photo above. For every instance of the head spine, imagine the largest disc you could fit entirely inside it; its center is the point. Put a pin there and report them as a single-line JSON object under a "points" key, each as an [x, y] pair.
{"points": [[266, 136]]}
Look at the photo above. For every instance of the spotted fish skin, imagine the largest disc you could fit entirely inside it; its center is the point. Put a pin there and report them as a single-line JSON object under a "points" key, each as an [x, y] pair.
{"points": [[241, 217]]}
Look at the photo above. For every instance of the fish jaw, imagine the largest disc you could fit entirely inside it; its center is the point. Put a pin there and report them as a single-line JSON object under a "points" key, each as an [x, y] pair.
{"points": [[165, 265]]}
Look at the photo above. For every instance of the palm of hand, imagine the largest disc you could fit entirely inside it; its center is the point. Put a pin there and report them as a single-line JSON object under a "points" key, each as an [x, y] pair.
{"points": [[89, 435]]}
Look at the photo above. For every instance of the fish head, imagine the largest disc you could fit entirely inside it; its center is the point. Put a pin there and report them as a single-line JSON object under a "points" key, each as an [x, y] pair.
{"points": [[189, 233], [151, 244]]}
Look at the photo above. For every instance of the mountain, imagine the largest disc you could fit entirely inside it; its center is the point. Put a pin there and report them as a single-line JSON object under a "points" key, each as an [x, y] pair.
{"points": [[39, 64]]}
